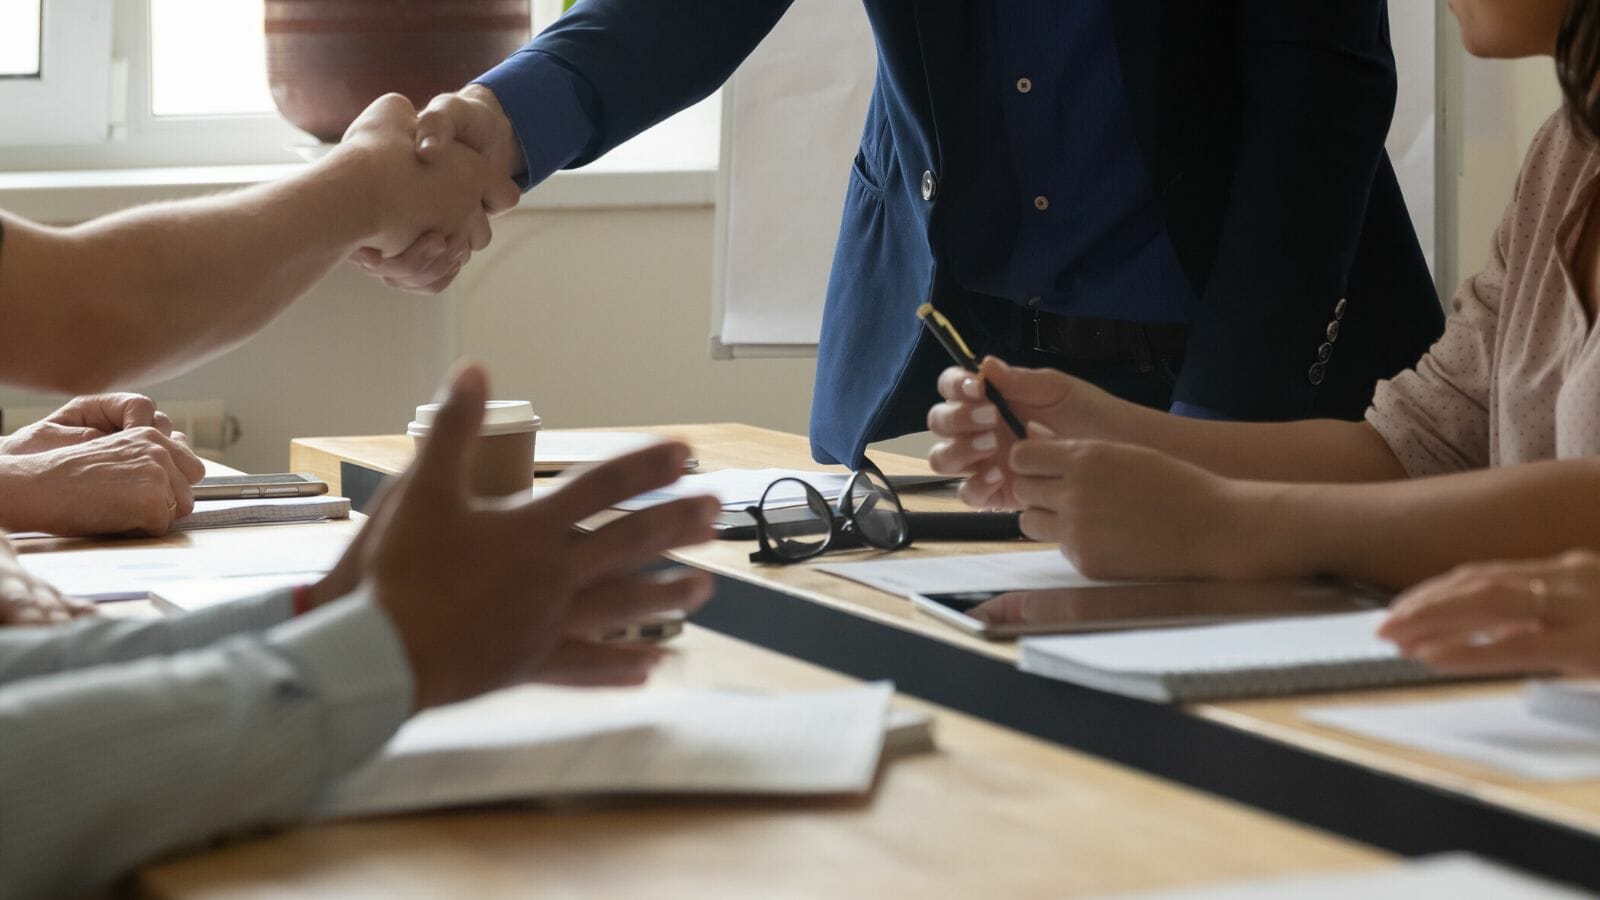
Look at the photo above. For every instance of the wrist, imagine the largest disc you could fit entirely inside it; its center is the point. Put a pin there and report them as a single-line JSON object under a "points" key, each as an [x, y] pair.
{"points": [[507, 155], [1261, 532], [348, 176]]}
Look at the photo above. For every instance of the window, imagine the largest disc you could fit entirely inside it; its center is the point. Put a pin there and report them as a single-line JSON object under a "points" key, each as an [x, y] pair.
{"points": [[178, 83], [208, 58], [55, 56], [19, 37]]}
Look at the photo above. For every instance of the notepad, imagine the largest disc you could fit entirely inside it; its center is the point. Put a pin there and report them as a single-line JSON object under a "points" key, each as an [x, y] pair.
{"points": [[1310, 653], [534, 743], [225, 513], [557, 451], [1457, 876]]}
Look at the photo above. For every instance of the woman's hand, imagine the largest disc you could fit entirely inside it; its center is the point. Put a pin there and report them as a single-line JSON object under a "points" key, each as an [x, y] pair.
{"points": [[1121, 511], [1527, 616], [975, 441]]}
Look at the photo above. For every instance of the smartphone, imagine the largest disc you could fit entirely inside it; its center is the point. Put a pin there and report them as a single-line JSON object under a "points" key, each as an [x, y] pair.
{"points": [[245, 487], [1003, 615]]}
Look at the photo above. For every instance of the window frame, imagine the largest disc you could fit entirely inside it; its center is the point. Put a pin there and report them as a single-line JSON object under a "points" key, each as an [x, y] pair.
{"points": [[69, 100]]}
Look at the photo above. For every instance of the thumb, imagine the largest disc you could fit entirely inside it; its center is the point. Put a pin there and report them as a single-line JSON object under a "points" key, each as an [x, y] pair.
{"points": [[1030, 387], [437, 127], [441, 466]]}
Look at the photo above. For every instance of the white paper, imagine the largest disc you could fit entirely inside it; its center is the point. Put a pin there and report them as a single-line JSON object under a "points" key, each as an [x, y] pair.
{"points": [[962, 574], [518, 745], [1501, 733], [570, 448], [111, 572], [1455, 876], [255, 511], [739, 488]]}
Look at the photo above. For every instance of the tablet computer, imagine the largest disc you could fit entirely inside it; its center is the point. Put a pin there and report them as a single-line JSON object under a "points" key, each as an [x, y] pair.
{"points": [[1001, 615]]}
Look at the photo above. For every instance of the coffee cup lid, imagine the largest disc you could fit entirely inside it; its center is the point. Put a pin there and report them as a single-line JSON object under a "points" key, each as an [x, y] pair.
{"points": [[499, 417]]}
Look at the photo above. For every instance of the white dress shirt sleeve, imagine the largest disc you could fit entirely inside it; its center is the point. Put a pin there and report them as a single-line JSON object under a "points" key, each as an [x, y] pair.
{"points": [[105, 767]]}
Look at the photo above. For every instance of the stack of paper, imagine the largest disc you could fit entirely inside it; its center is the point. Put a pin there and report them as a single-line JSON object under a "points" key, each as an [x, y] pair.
{"points": [[113, 574], [966, 573], [533, 742], [224, 513]]}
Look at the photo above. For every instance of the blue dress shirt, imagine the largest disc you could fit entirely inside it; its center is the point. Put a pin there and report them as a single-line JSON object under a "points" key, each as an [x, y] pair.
{"points": [[1057, 212]]}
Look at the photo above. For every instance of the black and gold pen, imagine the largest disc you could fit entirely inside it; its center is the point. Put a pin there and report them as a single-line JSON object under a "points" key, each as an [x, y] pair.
{"points": [[951, 341]]}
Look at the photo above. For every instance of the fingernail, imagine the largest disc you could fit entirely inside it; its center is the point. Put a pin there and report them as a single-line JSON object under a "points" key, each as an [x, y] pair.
{"points": [[993, 476], [985, 442], [986, 415], [428, 143], [971, 388], [1040, 431]]}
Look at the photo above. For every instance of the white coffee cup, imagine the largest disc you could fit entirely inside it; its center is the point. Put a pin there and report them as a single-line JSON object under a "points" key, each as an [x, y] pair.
{"points": [[503, 461]]}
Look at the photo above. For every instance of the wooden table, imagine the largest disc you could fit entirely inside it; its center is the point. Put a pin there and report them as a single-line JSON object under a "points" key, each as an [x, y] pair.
{"points": [[1262, 753], [990, 813]]}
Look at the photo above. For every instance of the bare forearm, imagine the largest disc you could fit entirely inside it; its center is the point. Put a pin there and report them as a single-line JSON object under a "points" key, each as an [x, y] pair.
{"points": [[142, 294], [1396, 534], [1317, 450]]}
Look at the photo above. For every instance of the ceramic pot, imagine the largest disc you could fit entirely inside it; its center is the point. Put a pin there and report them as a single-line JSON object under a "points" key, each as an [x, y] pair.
{"points": [[328, 59]]}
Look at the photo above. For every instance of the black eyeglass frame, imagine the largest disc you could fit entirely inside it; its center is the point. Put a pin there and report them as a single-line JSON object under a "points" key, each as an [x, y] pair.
{"points": [[844, 531]]}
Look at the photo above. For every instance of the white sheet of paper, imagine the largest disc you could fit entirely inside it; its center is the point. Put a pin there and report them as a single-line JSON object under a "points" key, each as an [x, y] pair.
{"points": [[92, 573], [1453, 876], [739, 488], [529, 743], [957, 574], [1498, 732]]}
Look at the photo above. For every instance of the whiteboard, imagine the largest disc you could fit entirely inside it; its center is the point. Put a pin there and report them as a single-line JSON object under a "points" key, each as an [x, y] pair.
{"points": [[792, 117]]}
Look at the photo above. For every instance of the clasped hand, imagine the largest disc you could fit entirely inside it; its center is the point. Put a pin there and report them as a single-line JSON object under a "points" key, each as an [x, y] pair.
{"points": [[443, 173]]}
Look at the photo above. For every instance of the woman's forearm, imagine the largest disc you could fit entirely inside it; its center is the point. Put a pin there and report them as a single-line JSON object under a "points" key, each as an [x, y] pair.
{"points": [[1395, 534]]}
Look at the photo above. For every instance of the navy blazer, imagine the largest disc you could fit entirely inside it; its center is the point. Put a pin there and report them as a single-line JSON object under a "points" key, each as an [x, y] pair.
{"points": [[1262, 123]]}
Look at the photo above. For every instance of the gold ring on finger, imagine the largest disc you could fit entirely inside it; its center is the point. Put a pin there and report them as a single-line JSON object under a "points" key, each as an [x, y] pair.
{"points": [[1541, 597]]}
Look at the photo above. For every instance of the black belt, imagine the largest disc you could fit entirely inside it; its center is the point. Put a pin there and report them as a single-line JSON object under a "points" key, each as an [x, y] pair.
{"points": [[1100, 340]]}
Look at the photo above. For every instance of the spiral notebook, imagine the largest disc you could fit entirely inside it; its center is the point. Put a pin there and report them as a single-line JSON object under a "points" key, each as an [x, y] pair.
{"points": [[1218, 662]]}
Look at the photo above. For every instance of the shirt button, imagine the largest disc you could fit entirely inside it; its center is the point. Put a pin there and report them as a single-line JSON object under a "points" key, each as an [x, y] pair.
{"points": [[1339, 308], [1333, 331], [1316, 373], [1024, 85], [1324, 353], [929, 186], [1041, 203]]}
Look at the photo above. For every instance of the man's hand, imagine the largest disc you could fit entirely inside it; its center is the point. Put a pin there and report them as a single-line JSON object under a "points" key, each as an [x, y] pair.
{"points": [[442, 203], [84, 419], [25, 600], [472, 117], [137, 480], [488, 594]]}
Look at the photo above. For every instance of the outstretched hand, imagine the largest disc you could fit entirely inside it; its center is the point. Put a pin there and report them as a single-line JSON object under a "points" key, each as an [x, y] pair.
{"points": [[487, 594]]}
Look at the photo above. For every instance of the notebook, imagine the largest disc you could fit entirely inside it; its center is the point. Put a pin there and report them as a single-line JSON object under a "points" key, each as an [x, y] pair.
{"points": [[223, 513], [558, 451], [1217, 662], [539, 742], [1456, 876]]}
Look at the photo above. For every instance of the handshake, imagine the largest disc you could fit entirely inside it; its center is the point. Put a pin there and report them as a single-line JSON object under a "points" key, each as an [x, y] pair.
{"points": [[430, 181]]}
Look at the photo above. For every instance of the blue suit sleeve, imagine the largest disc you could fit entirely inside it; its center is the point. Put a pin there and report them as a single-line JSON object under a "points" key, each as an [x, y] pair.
{"points": [[1196, 411], [628, 64], [550, 109], [1320, 88]]}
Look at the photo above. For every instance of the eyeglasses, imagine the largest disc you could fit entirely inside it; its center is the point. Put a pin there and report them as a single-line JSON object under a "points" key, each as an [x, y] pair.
{"points": [[868, 513]]}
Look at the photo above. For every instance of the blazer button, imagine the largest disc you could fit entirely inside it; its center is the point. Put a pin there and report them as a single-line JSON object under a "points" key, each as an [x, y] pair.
{"points": [[1333, 331], [1316, 373], [1339, 308], [1325, 353], [929, 186]]}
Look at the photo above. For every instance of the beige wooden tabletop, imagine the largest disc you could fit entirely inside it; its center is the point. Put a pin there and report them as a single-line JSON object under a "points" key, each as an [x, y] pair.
{"points": [[990, 813], [1575, 804]]}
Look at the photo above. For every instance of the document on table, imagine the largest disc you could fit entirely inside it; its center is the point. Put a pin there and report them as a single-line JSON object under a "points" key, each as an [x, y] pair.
{"points": [[114, 573], [534, 742], [739, 488], [962, 574], [225, 513], [1500, 732], [1457, 876]]}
